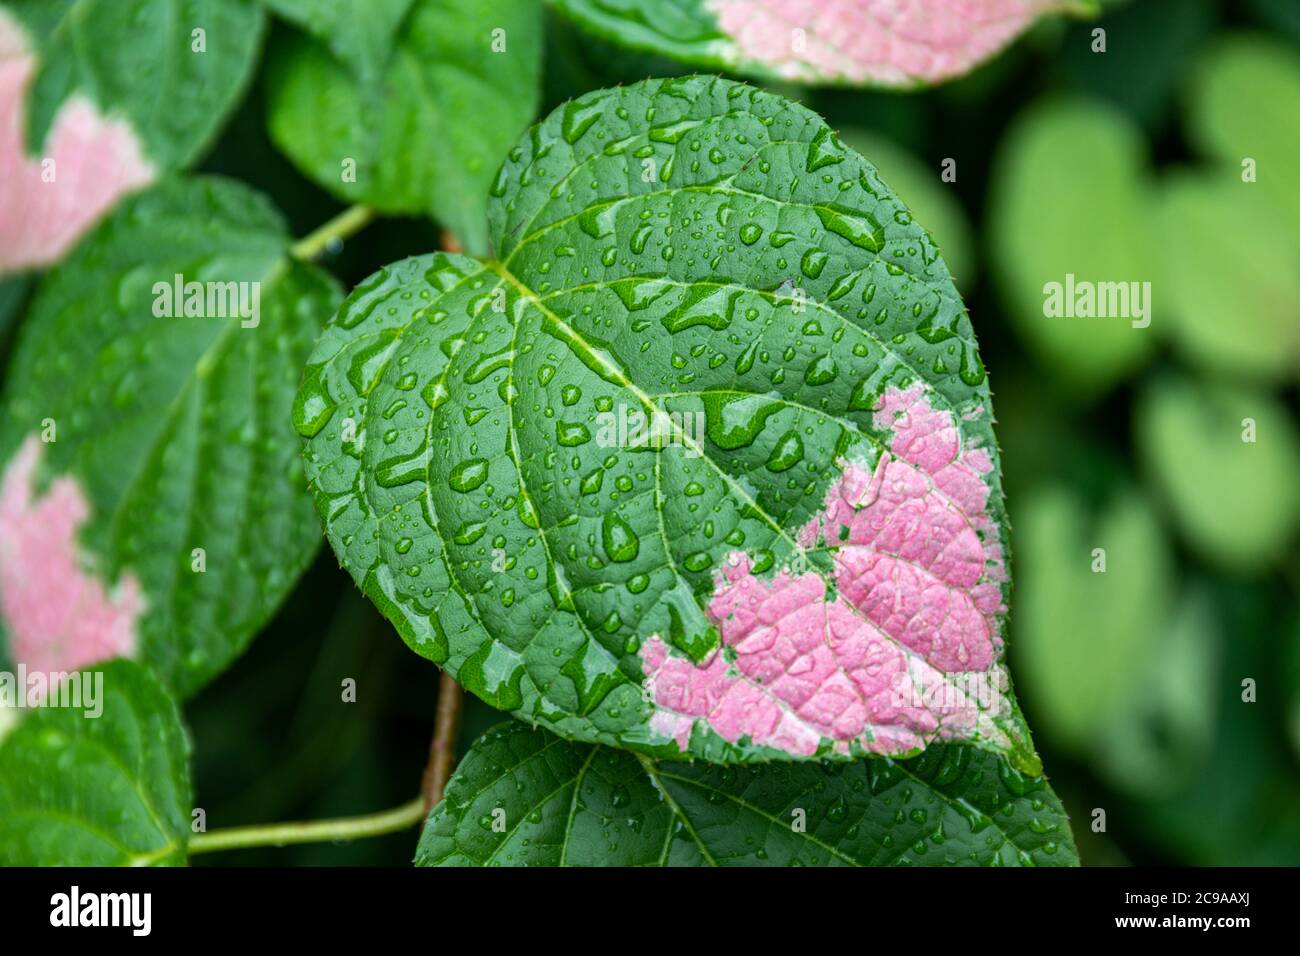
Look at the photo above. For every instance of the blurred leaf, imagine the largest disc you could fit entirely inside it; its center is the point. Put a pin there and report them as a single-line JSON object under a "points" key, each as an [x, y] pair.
{"points": [[135, 61], [822, 41], [426, 132], [359, 33], [100, 98], [930, 200], [571, 804], [1242, 806], [578, 62], [170, 417], [112, 790], [1084, 639], [1282, 15], [1292, 669], [1147, 45], [1152, 744], [1228, 291], [1068, 199], [1236, 501], [13, 296], [1244, 102]]}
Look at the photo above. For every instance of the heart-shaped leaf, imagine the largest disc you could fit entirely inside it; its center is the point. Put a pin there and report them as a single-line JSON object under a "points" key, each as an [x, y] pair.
{"points": [[1093, 597], [1057, 248], [1226, 458], [99, 97], [151, 495], [524, 797], [703, 465], [853, 42], [421, 130], [1230, 121], [102, 779], [1227, 248]]}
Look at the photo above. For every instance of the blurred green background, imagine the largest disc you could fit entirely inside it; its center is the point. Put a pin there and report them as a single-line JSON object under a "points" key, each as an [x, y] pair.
{"points": [[1125, 165]]}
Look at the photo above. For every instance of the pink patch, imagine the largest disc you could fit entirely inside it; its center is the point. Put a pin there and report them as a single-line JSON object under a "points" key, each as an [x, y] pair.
{"points": [[58, 616], [890, 42], [95, 162], [917, 602]]}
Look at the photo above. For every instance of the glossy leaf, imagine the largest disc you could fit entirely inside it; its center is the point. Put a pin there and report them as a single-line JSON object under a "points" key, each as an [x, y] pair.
{"points": [[1068, 205], [524, 797], [106, 790], [928, 198], [101, 97], [807, 558], [852, 42], [415, 122], [151, 499]]}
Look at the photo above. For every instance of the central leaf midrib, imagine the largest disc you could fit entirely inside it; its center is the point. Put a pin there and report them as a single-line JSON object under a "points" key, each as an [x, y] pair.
{"points": [[165, 420], [726, 187], [652, 773], [578, 341], [745, 805]]}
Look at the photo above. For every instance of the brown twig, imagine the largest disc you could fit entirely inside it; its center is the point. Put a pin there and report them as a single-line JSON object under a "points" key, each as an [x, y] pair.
{"points": [[442, 749]]}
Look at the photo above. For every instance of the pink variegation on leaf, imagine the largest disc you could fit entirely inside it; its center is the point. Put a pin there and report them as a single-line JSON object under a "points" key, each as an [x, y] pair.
{"points": [[885, 42], [58, 615], [905, 651], [88, 162]]}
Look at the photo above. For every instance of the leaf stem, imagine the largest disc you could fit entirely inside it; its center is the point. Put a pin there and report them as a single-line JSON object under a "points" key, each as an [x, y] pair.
{"points": [[317, 831], [442, 749], [349, 221]]}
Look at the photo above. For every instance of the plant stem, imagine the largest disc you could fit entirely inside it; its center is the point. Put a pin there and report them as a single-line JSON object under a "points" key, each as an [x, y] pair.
{"points": [[349, 221], [318, 831], [442, 749]]}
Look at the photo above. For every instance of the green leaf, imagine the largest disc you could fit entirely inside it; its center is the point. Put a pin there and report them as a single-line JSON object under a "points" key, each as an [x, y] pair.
{"points": [[1068, 199], [1245, 94], [13, 296], [153, 499], [105, 790], [139, 61], [1154, 743], [1093, 597], [1229, 267], [848, 42], [524, 797], [1138, 78], [708, 256], [421, 129], [99, 98], [1281, 15], [1226, 459], [359, 33], [928, 198]]}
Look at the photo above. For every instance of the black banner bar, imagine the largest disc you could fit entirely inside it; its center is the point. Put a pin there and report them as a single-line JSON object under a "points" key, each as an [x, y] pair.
{"points": [[333, 906]]}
